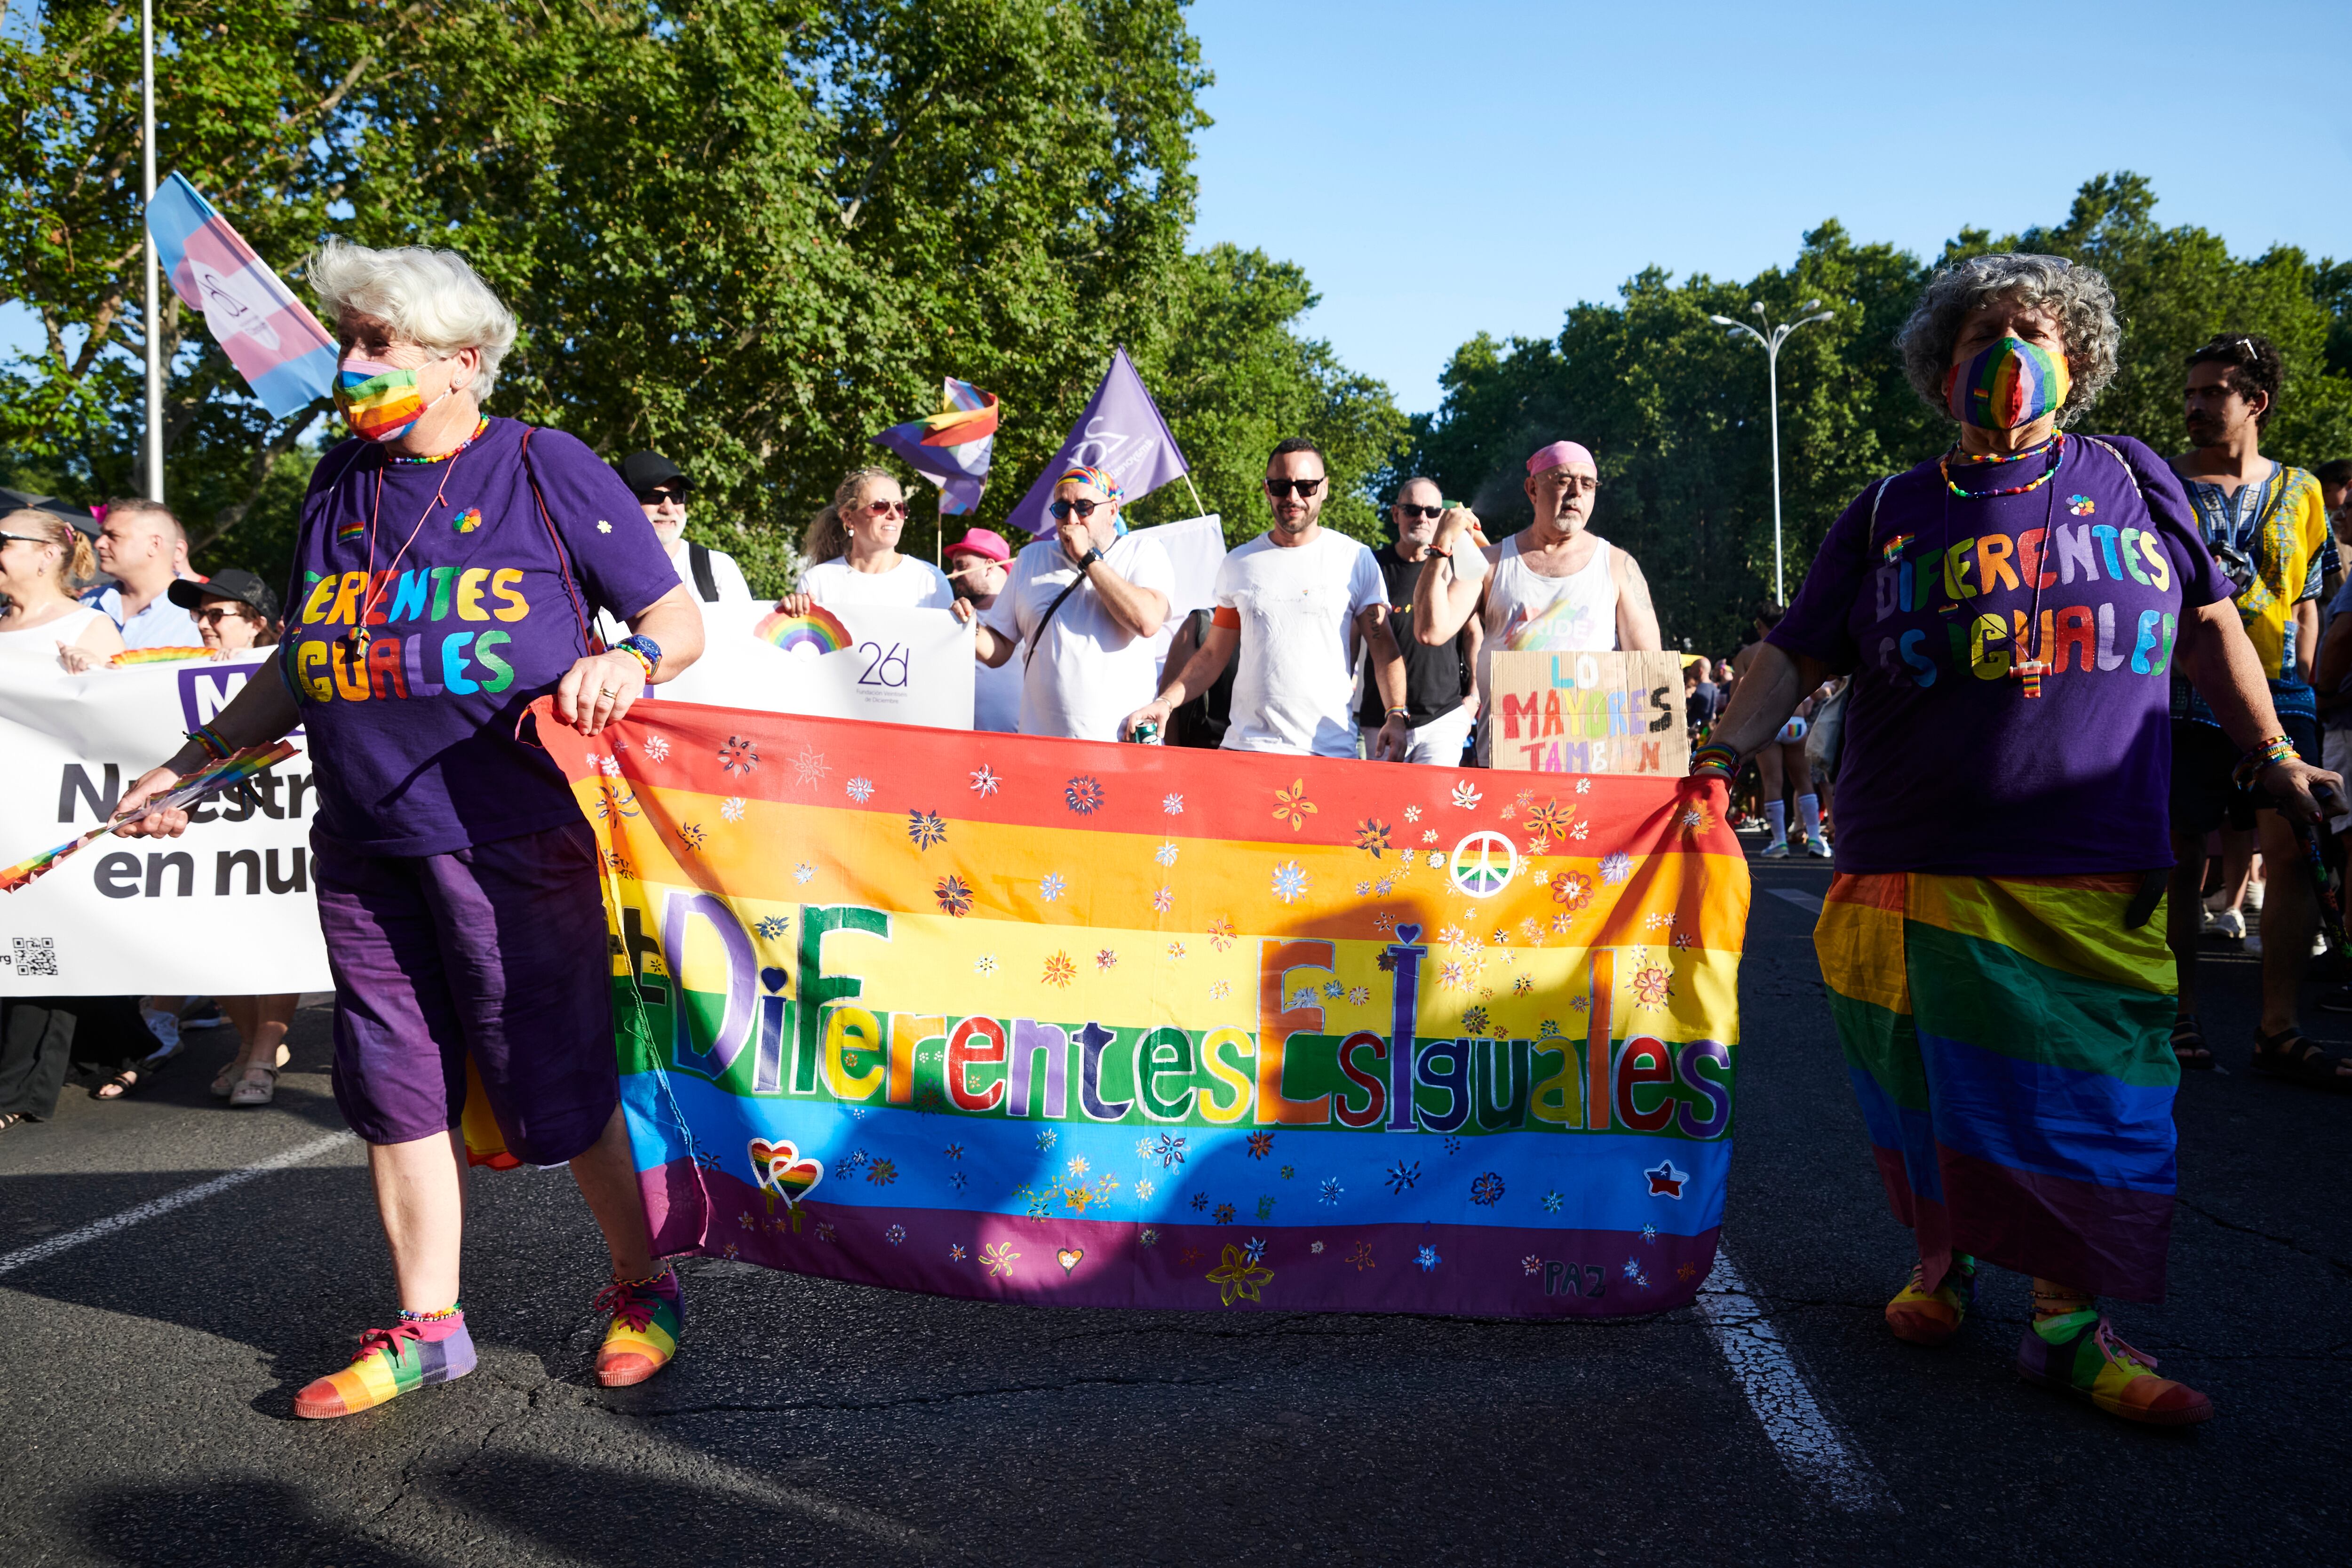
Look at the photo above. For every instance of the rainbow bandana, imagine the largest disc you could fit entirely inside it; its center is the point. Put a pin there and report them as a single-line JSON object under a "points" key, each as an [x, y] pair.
{"points": [[378, 401], [2012, 382], [1102, 479]]}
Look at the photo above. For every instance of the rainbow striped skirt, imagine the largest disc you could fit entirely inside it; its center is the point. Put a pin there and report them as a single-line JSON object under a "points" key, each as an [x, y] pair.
{"points": [[2008, 1039]]}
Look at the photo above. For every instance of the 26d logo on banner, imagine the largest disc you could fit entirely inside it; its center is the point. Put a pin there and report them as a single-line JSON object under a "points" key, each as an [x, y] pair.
{"points": [[884, 668]]}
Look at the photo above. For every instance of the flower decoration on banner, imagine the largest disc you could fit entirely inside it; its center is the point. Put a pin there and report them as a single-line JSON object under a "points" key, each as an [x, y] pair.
{"points": [[809, 767], [1163, 901], [692, 834], [985, 781], [1487, 1189], [731, 808], [926, 828], [1175, 950], [1060, 971], [1173, 805], [1083, 795], [1052, 888], [998, 1259], [1238, 1276], [1698, 820], [985, 965], [1166, 853], [861, 789], [1106, 960], [1474, 1020], [802, 871], [1615, 867], [1548, 820], [1220, 933], [1653, 986], [1289, 882], [1413, 814], [737, 756], [1293, 805], [1372, 837], [1584, 786], [1427, 1258], [954, 896], [1360, 995], [657, 749], [1465, 796]]}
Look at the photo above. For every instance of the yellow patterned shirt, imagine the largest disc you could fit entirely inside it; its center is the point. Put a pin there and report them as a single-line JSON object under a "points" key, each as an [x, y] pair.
{"points": [[2280, 525]]}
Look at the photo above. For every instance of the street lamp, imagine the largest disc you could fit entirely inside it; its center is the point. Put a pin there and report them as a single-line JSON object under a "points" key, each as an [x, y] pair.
{"points": [[1771, 337]]}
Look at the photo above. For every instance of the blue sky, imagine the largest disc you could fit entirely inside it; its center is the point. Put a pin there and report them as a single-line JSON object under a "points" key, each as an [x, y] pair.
{"points": [[1440, 169]]}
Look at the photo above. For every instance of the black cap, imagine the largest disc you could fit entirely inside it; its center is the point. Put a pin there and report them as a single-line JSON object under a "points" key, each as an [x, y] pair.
{"points": [[234, 583], [641, 471]]}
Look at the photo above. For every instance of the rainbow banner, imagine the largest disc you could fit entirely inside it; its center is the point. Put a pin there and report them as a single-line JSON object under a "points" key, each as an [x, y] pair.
{"points": [[1091, 1024]]}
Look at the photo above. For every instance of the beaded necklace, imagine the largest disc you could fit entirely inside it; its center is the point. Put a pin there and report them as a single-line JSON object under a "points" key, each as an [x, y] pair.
{"points": [[479, 426], [2057, 445]]}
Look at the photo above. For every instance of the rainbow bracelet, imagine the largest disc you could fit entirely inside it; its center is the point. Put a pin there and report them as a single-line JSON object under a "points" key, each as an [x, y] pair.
{"points": [[216, 749], [2277, 749], [1715, 754]]}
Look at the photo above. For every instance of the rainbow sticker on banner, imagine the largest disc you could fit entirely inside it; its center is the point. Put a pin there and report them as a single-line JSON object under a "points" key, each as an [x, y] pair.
{"points": [[820, 631], [137, 656], [1081, 1024]]}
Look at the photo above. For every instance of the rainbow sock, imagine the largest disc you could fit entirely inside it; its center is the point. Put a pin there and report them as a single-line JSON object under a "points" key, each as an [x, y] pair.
{"points": [[426, 1349], [648, 1315]]}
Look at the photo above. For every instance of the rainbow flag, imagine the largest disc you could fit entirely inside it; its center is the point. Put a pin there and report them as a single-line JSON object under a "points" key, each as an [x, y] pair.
{"points": [[1081, 1024], [951, 447], [176, 654], [285, 356], [192, 788]]}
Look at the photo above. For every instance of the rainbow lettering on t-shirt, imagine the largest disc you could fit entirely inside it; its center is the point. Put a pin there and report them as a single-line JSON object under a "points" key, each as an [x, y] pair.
{"points": [[411, 657], [820, 631], [1565, 624]]}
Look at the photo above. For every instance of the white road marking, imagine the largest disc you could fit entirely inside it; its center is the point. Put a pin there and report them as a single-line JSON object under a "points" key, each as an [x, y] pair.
{"points": [[1795, 1420], [154, 1208], [1803, 901]]}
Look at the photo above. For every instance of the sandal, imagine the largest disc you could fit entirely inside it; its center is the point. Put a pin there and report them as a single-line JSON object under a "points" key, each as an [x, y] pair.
{"points": [[10, 1118], [255, 1088], [2287, 1055], [2188, 1043], [121, 1083], [225, 1081]]}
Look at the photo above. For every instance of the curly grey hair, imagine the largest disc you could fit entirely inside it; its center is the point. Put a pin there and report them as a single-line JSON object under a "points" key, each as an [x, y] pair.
{"points": [[432, 297], [2077, 295]]}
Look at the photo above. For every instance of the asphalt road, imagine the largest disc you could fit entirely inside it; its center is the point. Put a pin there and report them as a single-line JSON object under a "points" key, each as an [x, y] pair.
{"points": [[147, 1377]]}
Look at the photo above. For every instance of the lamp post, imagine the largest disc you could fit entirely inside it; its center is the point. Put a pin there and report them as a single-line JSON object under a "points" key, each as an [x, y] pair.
{"points": [[1771, 337], [147, 194]]}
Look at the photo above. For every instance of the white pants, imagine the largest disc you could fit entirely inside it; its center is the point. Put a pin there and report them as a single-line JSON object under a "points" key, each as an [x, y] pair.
{"points": [[1437, 744]]}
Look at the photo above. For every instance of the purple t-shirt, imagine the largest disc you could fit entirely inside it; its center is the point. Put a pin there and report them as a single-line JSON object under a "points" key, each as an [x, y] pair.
{"points": [[1949, 766], [414, 736]]}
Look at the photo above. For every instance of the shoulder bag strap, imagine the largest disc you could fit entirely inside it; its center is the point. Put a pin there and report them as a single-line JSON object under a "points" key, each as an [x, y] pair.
{"points": [[1047, 619], [698, 561]]}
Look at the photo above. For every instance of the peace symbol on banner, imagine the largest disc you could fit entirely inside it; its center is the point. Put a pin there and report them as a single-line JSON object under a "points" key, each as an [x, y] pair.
{"points": [[1483, 864]]}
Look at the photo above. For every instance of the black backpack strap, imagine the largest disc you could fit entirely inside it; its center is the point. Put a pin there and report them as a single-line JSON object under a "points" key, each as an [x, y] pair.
{"points": [[697, 563]]}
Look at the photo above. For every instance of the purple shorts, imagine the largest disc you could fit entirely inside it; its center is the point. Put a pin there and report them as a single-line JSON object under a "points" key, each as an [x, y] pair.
{"points": [[496, 952]]}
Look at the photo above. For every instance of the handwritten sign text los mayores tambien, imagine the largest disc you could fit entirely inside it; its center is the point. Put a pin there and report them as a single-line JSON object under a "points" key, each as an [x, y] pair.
{"points": [[1589, 713]]}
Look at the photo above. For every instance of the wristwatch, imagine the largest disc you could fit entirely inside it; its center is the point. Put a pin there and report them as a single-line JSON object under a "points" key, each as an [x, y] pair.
{"points": [[1092, 555]]}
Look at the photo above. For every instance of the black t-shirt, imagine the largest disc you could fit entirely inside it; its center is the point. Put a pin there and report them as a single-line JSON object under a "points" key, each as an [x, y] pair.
{"points": [[1436, 680]]}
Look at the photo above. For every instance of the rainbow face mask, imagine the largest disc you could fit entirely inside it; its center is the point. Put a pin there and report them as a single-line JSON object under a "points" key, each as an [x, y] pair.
{"points": [[2012, 382], [380, 401]]}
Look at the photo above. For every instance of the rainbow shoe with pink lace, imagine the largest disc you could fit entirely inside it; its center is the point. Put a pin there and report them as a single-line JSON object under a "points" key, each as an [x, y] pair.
{"points": [[1932, 1317], [648, 1316], [426, 1349], [2080, 1354]]}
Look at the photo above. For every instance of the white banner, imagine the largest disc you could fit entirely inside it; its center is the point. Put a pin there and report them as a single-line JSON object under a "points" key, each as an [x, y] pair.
{"points": [[896, 666], [225, 910]]}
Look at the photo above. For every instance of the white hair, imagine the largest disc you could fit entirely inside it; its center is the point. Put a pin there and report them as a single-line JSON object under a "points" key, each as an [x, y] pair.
{"points": [[2077, 295], [432, 297]]}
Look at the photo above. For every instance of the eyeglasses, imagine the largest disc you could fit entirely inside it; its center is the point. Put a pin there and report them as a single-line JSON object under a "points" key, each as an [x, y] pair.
{"points": [[1429, 512], [23, 539], [1085, 508], [214, 614], [1280, 489], [886, 508], [1576, 484]]}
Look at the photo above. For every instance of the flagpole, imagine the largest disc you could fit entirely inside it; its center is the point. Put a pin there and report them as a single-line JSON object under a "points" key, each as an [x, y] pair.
{"points": [[1198, 509], [154, 433]]}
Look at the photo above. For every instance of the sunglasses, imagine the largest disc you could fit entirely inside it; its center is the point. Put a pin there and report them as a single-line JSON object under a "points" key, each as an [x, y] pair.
{"points": [[216, 614], [1280, 489], [23, 539], [1430, 512], [655, 498], [1085, 508], [886, 508]]}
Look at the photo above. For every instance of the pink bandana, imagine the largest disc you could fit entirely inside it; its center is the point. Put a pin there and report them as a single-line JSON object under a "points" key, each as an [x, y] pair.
{"points": [[1559, 454]]}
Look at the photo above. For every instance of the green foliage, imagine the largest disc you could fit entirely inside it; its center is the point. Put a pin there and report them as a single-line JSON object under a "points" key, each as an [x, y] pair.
{"points": [[1674, 408], [750, 233]]}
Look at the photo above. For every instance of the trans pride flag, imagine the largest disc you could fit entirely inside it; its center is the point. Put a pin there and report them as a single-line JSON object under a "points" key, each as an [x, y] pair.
{"points": [[272, 339], [1079, 1024], [952, 448]]}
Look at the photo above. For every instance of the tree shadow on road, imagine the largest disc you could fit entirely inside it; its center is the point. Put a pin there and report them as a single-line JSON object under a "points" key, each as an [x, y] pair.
{"points": [[250, 1522]]}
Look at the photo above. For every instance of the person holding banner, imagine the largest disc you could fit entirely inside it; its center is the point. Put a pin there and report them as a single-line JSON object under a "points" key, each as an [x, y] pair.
{"points": [[1082, 608], [42, 558], [1293, 604], [1557, 587], [980, 564], [449, 565], [851, 554], [1994, 938]]}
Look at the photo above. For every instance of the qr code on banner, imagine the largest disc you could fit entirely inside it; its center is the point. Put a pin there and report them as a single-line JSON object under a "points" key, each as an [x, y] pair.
{"points": [[36, 956]]}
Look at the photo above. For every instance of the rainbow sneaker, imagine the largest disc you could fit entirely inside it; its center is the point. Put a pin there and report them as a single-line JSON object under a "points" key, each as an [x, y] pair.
{"points": [[2079, 1353], [647, 1318], [391, 1363], [1932, 1317]]}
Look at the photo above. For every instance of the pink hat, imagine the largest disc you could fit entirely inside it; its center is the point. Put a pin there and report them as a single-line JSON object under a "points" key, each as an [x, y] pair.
{"points": [[981, 542], [1559, 454]]}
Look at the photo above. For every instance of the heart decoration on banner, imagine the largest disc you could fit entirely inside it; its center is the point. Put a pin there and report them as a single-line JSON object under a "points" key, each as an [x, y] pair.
{"points": [[1069, 1257], [783, 1172]]}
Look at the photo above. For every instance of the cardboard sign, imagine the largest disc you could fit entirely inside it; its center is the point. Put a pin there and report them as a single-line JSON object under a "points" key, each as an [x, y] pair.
{"points": [[1589, 713]]}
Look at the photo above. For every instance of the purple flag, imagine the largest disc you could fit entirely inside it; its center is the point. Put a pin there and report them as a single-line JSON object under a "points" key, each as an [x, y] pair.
{"points": [[1121, 430]]}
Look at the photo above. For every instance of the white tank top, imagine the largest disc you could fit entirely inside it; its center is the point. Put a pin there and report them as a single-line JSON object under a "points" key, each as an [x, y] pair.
{"points": [[1529, 612], [44, 638]]}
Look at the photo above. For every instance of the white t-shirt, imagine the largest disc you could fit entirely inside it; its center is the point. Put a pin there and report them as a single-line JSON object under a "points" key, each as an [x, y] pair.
{"points": [[996, 693], [41, 641], [913, 584], [1295, 682], [1089, 671]]}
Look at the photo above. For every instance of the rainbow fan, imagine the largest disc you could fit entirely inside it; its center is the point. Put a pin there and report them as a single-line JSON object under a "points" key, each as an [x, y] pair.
{"points": [[820, 631], [192, 788]]}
